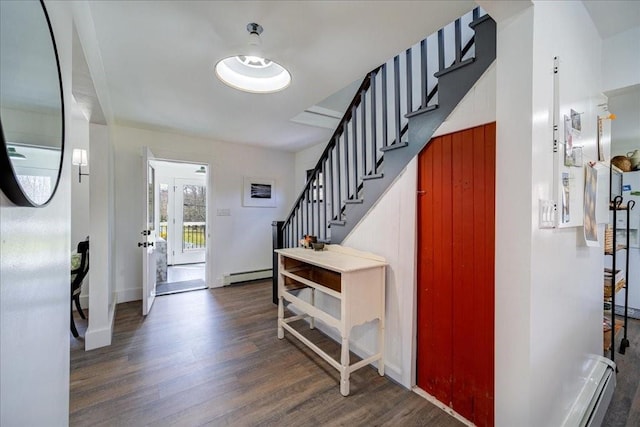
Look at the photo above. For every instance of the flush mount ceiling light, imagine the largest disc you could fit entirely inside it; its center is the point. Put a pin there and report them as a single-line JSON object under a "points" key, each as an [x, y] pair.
{"points": [[253, 73]]}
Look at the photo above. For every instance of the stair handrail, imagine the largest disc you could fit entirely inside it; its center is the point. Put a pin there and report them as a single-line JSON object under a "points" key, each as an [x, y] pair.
{"points": [[366, 82], [340, 128]]}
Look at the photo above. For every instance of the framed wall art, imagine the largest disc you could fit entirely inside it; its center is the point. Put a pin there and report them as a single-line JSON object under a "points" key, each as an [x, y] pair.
{"points": [[258, 192]]}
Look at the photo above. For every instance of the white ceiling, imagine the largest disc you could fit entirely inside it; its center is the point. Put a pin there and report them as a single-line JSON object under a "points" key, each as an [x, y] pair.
{"points": [[613, 16], [158, 60]]}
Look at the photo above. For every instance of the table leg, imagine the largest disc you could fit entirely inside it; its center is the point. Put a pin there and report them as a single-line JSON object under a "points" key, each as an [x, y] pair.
{"points": [[280, 317], [344, 369], [381, 347], [312, 322]]}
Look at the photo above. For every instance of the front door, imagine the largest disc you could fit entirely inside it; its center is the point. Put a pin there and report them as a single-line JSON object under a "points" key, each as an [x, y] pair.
{"points": [[149, 232]]}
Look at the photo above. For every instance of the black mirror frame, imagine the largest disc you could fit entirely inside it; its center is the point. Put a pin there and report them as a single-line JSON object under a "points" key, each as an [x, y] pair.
{"points": [[8, 180]]}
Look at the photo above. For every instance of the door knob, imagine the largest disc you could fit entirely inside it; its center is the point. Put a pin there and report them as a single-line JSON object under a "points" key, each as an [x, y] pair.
{"points": [[143, 244], [150, 244]]}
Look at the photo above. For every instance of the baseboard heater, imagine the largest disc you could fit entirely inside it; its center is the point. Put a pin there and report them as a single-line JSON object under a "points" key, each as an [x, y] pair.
{"points": [[592, 402], [246, 276]]}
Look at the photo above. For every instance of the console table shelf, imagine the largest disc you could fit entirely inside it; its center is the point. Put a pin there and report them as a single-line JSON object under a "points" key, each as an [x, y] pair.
{"points": [[356, 279]]}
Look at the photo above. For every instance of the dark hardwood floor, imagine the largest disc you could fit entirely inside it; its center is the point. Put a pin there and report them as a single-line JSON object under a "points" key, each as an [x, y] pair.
{"points": [[211, 357]]}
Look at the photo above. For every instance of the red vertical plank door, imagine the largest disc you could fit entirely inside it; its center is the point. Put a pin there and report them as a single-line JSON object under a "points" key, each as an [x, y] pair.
{"points": [[456, 231]]}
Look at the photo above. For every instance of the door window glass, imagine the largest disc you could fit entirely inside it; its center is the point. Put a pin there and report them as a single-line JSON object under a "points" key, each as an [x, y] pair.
{"points": [[164, 214], [194, 216]]}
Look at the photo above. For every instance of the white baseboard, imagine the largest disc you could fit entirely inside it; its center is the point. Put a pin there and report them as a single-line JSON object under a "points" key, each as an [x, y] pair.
{"points": [[100, 337], [96, 338], [442, 406], [246, 276]]}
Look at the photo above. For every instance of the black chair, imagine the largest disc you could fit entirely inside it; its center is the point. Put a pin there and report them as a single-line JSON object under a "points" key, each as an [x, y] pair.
{"points": [[77, 277]]}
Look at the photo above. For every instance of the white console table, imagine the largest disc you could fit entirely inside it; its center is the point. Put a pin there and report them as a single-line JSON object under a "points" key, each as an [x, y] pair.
{"points": [[356, 279]]}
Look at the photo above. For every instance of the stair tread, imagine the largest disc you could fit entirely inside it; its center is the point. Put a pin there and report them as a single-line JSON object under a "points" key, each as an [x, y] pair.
{"points": [[373, 176], [421, 111], [353, 201], [455, 67], [479, 21], [337, 222], [394, 146]]}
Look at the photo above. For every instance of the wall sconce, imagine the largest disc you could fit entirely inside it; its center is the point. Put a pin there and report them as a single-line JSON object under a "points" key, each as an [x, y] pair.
{"points": [[79, 158]]}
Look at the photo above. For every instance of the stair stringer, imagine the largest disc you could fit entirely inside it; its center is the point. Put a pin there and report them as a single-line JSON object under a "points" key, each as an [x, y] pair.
{"points": [[452, 88]]}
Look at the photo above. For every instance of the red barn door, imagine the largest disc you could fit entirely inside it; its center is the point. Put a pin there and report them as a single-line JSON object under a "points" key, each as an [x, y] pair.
{"points": [[456, 232]]}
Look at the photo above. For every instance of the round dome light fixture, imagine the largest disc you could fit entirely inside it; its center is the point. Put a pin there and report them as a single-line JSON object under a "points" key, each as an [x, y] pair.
{"points": [[252, 73]]}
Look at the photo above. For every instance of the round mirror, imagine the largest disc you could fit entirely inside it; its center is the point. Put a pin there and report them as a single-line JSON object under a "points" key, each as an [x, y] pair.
{"points": [[31, 104]]}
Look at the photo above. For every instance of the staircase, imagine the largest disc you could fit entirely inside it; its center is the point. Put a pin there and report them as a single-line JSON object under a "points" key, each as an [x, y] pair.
{"points": [[392, 117]]}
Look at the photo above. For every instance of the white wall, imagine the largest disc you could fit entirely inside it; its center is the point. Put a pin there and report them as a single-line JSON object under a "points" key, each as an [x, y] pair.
{"points": [[34, 287], [513, 215], [621, 60], [305, 160], [566, 280], [548, 283], [78, 137], [239, 242], [101, 210], [389, 230], [97, 197]]}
